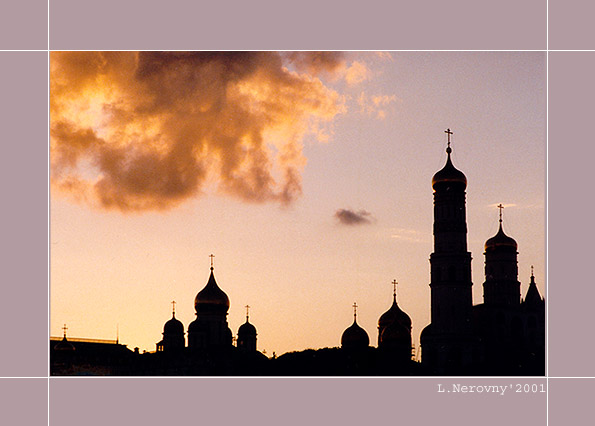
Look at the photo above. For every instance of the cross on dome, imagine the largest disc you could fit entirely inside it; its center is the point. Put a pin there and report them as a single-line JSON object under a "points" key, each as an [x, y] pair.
{"points": [[448, 132], [500, 206], [211, 256], [354, 310]]}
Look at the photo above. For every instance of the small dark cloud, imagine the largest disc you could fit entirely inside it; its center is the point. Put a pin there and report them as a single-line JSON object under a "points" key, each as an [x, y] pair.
{"points": [[350, 217]]}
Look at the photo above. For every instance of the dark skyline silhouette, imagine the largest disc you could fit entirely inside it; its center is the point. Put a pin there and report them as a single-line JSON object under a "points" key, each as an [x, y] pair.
{"points": [[503, 336]]}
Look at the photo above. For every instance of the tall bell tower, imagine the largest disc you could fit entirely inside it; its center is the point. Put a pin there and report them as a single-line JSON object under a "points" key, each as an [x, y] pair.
{"points": [[447, 341]]}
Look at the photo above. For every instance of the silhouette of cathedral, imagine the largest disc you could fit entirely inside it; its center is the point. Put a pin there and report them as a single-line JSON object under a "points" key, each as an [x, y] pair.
{"points": [[504, 335]]}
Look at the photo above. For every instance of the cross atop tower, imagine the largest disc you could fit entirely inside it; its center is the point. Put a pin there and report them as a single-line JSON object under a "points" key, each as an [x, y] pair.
{"points": [[173, 307], [500, 206], [448, 132], [354, 311], [65, 328], [247, 311], [395, 289], [532, 271], [211, 256]]}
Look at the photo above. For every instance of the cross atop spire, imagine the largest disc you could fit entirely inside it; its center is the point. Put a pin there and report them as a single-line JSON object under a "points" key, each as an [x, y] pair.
{"points": [[532, 276], [395, 289], [247, 311], [65, 328], [500, 206], [354, 311], [173, 307], [211, 256], [448, 132]]}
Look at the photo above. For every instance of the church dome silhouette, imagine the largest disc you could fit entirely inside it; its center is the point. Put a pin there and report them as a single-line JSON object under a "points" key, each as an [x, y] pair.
{"points": [[394, 315], [449, 173], [355, 337], [247, 329], [173, 326], [211, 298], [500, 239]]}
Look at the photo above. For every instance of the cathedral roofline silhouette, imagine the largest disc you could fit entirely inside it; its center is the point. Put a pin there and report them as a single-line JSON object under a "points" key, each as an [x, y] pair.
{"points": [[504, 335]]}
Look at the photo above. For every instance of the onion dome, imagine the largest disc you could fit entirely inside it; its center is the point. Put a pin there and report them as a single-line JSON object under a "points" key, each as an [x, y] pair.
{"points": [[211, 298], [355, 337], [500, 239], [394, 315], [173, 326], [247, 329], [449, 174]]}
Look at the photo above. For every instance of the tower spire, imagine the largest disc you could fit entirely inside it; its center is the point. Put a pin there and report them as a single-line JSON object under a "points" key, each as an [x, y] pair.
{"points": [[395, 290], [354, 311], [533, 297], [173, 308], [247, 312], [65, 328], [211, 256]]}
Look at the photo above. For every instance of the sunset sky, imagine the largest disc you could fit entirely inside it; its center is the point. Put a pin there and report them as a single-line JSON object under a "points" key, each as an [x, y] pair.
{"points": [[306, 174]]}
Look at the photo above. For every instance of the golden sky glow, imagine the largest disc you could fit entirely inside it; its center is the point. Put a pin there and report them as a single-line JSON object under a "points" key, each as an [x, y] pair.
{"points": [[307, 174]]}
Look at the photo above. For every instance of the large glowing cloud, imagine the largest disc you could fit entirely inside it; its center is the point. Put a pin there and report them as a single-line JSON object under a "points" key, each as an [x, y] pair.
{"points": [[138, 131]]}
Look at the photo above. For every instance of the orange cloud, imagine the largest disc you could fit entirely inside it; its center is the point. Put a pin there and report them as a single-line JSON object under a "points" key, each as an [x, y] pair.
{"points": [[376, 105], [140, 131], [356, 73]]}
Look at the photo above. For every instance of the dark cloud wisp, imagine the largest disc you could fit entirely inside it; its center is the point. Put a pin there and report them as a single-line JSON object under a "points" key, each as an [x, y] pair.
{"points": [[350, 217]]}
